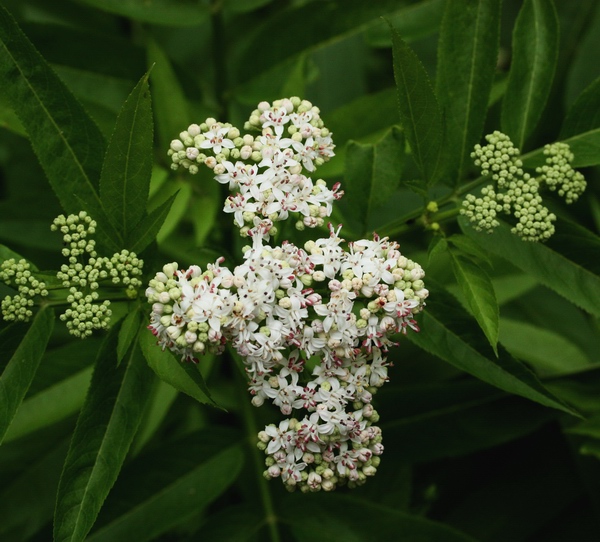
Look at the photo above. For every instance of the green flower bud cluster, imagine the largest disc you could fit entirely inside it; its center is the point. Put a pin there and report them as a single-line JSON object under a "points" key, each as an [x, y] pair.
{"points": [[558, 174], [86, 272], [19, 307], [517, 192]]}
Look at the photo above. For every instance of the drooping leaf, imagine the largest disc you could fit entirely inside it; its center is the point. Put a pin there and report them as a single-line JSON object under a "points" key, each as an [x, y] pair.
{"points": [[448, 332], [568, 263], [184, 377], [146, 230], [127, 167], [22, 366], [534, 55], [372, 175], [186, 475], [420, 114], [479, 294], [66, 141], [160, 12], [105, 428], [467, 56]]}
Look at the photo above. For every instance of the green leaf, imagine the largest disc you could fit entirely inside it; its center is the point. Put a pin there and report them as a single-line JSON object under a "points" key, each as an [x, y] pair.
{"points": [[28, 502], [182, 376], [469, 247], [186, 475], [568, 263], [128, 333], [160, 12], [535, 53], [435, 420], [467, 57], [420, 114], [106, 426], [479, 293], [66, 141], [50, 405], [327, 517], [447, 332], [125, 179], [585, 148], [147, 229], [547, 352], [22, 366], [181, 201], [170, 104], [372, 176], [584, 114]]}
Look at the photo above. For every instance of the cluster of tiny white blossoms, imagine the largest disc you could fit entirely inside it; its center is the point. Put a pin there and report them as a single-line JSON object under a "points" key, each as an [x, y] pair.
{"points": [[516, 192], [19, 306], [288, 312], [86, 272], [264, 172], [312, 325]]}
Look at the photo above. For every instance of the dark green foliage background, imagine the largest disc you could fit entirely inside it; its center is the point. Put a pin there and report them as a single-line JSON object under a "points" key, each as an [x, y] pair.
{"points": [[491, 418]]}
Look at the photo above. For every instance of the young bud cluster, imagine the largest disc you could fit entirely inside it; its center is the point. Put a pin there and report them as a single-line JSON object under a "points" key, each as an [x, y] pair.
{"points": [[265, 172], [313, 327], [517, 192], [19, 307], [86, 272]]}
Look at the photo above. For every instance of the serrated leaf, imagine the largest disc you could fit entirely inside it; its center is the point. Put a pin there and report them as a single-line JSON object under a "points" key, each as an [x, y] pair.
{"points": [[186, 476], [147, 229], [535, 44], [568, 263], [584, 114], [420, 114], [467, 57], [66, 141], [479, 294], [128, 332], [22, 366], [160, 12], [373, 175], [127, 167], [448, 333], [184, 377], [105, 428]]}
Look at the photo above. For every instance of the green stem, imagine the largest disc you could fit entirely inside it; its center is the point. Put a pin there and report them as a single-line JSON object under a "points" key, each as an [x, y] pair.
{"points": [[257, 457], [411, 220]]}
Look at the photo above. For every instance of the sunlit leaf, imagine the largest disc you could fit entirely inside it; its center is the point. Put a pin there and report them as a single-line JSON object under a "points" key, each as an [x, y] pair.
{"points": [[534, 55], [22, 366]]}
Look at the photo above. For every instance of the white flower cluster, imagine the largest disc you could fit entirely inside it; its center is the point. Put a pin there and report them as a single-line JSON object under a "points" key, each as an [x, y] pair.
{"points": [[86, 271], [265, 172], [516, 191], [20, 306], [313, 327]]}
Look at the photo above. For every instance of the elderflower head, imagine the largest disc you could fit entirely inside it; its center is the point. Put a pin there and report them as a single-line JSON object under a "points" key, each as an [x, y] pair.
{"points": [[19, 273], [516, 191], [265, 172]]}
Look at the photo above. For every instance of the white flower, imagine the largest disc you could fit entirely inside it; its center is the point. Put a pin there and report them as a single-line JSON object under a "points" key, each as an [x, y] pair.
{"points": [[215, 139]]}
